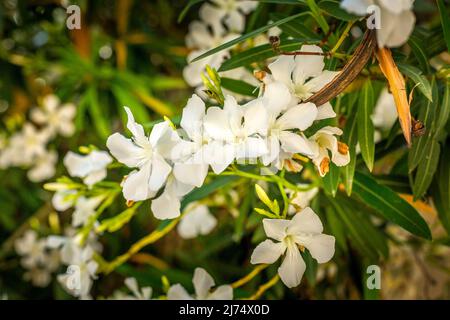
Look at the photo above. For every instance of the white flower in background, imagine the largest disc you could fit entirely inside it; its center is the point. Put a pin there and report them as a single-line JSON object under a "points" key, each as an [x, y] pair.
{"points": [[281, 120], [44, 167], [385, 112], [234, 133], [303, 231], [144, 293], [147, 154], [324, 140], [80, 273], [31, 249], [64, 199], [39, 261], [303, 75], [203, 283], [58, 118], [26, 145], [200, 39], [197, 221], [167, 205], [90, 167], [299, 200], [69, 244], [396, 19], [229, 12], [84, 209], [189, 166]]}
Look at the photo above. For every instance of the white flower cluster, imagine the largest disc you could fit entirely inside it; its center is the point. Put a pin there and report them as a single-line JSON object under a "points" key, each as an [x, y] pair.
{"points": [[27, 148], [269, 129], [395, 18]]}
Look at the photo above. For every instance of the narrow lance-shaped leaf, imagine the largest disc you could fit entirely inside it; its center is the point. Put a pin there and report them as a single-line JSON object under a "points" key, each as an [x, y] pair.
{"points": [[248, 35], [426, 169], [441, 192], [445, 21], [416, 75], [390, 205], [350, 138], [427, 115], [365, 124], [444, 111]]}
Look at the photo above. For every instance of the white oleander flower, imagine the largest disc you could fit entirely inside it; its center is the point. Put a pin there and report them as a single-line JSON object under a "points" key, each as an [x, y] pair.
{"points": [[147, 154], [292, 236], [37, 259], [58, 118], [385, 112], [304, 75], [299, 200], [234, 132], [137, 293], [203, 283], [197, 221], [44, 167], [396, 19], [90, 167], [189, 166], [31, 249], [80, 273], [324, 140], [26, 145], [281, 121], [231, 13], [84, 209]]}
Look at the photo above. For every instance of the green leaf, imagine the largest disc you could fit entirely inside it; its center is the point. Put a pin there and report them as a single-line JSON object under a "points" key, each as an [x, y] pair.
{"points": [[317, 15], [416, 75], [207, 189], [99, 119], [350, 138], [365, 124], [115, 223], [248, 35], [259, 53], [354, 231], [445, 21], [296, 28], [186, 9], [419, 52], [125, 98], [331, 180], [390, 205], [337, 229], [444, 111], [427, 115], [442, 189], [426, 169], [239, 87], [334, 9]]}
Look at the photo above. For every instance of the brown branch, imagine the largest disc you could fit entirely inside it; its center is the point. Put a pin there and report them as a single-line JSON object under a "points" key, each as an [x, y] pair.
{"points": [[350, 71]]}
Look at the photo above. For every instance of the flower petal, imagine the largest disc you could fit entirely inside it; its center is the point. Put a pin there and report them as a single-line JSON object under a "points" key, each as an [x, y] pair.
{"points": [[295, 143], [307, 66], [293, 267], [299, 117], [192, 118], [276, 228], [321, 247], [160, 171], [224, 292], [203, 282], [177, 292], [267, 252], [124, 150], [326, 111], [135, 187], [305, 221], [281, 69], [166, 206]]}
